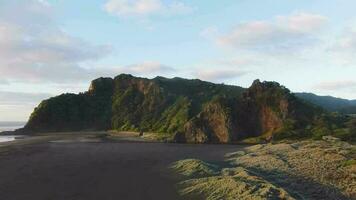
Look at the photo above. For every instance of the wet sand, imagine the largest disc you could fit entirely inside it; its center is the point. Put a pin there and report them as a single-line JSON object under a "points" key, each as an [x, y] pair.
{"points": [[97, 170]]}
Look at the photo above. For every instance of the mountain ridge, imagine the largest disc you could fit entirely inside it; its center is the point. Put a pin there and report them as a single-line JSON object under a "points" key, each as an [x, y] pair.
{"points": [[330, 103]]}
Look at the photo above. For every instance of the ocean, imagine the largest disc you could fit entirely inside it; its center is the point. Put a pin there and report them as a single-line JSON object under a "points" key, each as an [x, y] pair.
{"points": [[10, 126]]}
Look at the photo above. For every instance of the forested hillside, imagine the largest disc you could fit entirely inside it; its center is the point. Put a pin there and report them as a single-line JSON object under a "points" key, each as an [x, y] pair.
{"points": [[187, 111]]}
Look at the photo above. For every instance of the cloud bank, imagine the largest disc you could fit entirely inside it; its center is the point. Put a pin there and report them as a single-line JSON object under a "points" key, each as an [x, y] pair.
{"points": [[282, 33], [126, 8], [33, 48]]}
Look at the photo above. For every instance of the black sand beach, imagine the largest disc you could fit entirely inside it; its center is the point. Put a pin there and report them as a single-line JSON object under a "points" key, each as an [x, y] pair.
{"points": [[97, 170]]}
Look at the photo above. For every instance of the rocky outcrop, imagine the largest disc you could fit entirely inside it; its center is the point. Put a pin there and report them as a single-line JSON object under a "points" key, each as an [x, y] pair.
{"points": [[214, 124], [263, 109]]}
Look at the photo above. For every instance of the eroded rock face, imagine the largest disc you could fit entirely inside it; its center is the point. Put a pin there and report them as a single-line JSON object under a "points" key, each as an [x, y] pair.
{"points": [[271, 102], [213, 124], [262, 110]]}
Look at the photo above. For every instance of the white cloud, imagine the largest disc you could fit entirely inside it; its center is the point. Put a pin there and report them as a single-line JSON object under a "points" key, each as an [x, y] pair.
{"points": [[123, 8], [284, 32], [218, 75], [34, 48], [337, 85]]}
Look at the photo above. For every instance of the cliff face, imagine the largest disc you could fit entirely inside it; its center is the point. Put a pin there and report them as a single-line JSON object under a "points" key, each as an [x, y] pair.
{"points": [[263, 109], [188, 110], [214, 124]]}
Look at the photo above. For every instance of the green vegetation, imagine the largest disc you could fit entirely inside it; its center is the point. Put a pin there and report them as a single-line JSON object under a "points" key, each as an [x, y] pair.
{"points": [[189, 111], [194, 168], [333, 124], [229, 183], [350, 162], [302, 170], [329, 162], [351, 125]]}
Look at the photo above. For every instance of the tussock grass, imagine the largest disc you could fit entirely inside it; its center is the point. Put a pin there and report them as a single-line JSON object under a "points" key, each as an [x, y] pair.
{"points": [[301, 170], [162, 137], [194, 168], [351, 162], [233, 183], [328, 166]]}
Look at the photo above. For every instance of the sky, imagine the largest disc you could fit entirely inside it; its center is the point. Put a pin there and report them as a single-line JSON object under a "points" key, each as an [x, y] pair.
{"points": [[49, 47]]}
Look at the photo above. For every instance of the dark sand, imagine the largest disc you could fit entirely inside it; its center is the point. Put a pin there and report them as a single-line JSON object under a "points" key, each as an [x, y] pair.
{"points": [[97, 170]]}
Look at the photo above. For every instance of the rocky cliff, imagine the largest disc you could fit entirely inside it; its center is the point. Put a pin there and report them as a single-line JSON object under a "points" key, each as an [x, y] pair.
{"points": [[266, 108], [187, 110]]}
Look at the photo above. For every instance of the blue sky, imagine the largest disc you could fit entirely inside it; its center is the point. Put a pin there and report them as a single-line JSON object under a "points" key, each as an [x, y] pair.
{"points": [[48, 47]]}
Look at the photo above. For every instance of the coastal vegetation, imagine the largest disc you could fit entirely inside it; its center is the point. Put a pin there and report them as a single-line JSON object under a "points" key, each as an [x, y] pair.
{"points": [[194, 111]]}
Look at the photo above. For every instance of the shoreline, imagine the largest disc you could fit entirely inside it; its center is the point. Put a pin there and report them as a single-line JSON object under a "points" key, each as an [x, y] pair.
{"points": [[113, 136], [86, 166]]}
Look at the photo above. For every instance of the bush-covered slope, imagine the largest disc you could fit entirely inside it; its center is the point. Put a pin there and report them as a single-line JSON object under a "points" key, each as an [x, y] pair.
{"points": [[160, 104], [186, 110], [73, 112], [128, 103]]}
